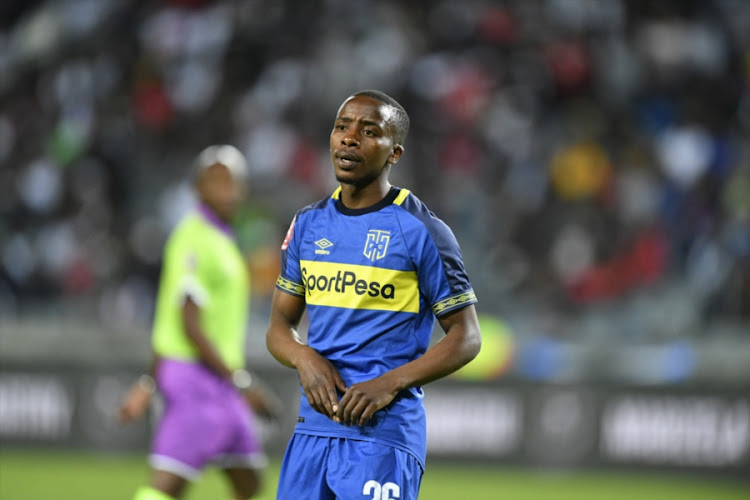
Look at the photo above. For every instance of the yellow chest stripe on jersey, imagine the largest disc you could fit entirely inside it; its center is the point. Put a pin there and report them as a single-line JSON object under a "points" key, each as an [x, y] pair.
{"points": [[359, 287]]}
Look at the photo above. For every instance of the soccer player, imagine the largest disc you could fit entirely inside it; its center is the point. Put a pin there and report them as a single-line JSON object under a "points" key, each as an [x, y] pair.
{"points": [[373, 267], [198, 342]]}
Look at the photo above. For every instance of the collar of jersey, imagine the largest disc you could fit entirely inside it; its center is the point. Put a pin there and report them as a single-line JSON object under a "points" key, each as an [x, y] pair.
{"points": [[213, 219], [387, 200]]}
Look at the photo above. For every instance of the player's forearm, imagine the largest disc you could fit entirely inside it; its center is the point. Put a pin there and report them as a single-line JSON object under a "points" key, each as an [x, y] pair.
{"points": [[284, 344], [460, 345], [448, 355], [282, 339], [206, 351], [209, 356]]}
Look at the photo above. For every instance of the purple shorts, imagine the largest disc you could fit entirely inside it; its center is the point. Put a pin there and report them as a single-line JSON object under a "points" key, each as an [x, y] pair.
{"points": [[205, 421]]}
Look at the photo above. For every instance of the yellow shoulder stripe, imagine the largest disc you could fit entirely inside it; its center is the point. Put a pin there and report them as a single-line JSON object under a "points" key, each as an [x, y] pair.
{"points": [[401, 197]]}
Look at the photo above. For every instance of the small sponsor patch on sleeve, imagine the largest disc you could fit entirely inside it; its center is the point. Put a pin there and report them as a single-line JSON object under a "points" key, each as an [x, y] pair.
{"points": [[289, 234]]}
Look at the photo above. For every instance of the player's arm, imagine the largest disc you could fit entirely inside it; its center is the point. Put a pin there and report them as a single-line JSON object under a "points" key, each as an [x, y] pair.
{"points": [[258, 396], [191, 321], [460, 345], [318, 377]]}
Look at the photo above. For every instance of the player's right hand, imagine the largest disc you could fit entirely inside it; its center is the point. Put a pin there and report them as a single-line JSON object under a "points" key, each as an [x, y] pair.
{"points": [[135, 404], [320, 381]]}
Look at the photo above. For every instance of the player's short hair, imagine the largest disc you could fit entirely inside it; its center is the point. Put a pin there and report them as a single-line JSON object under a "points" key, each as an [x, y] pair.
{"points": [[226, 155], [400, 119]]}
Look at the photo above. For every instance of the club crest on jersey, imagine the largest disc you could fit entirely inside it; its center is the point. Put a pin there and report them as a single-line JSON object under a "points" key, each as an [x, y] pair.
{"points": [[376, 245], [323, 245]]}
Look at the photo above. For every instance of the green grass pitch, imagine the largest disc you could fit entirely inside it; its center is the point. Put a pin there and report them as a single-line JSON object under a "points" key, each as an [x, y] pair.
{"points": [[37, 475]]}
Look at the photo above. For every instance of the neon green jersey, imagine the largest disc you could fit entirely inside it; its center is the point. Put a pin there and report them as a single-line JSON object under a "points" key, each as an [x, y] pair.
{"points": [[202, 261]]}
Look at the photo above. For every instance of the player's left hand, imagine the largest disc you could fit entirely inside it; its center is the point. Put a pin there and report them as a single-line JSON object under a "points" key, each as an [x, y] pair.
{"points": [[360, 401]]}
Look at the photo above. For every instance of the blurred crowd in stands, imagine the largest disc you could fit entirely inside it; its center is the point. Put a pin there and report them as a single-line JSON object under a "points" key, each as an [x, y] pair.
{"points": [[593, 157]]}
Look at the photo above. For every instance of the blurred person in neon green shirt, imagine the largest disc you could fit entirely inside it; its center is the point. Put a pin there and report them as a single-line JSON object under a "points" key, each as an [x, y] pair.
{"points": [[198, 340]]}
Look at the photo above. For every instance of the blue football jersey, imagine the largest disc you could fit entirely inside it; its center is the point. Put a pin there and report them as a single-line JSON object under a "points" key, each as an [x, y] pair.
{"points": [[374, 280]]}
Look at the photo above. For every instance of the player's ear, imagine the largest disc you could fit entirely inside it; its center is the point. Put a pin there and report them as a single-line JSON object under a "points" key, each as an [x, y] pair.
{"points": [[398, 150]]}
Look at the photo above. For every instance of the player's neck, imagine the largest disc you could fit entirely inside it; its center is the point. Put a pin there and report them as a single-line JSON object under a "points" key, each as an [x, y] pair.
{"points": [[356, 198], [212, 216]]}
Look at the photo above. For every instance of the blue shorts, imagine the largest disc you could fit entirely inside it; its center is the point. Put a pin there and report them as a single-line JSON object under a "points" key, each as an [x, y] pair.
{"points": [[330, 468]]}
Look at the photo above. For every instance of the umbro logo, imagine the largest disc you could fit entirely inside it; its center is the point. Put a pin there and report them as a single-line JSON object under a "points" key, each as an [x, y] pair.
{"points": [[323, 245]]}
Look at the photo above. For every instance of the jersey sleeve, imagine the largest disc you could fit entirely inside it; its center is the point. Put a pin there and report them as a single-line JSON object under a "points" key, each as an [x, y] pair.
{"points": [[192, 272], [442, 278], [290, 280]]}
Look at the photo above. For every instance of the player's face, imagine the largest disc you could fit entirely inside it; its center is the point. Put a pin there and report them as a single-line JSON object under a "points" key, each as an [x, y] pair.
{"points": [[220, 191], [362, 144]]}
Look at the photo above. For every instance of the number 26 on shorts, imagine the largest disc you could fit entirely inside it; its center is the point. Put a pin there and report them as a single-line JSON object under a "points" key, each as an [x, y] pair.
{"points": [[375, 491]]}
